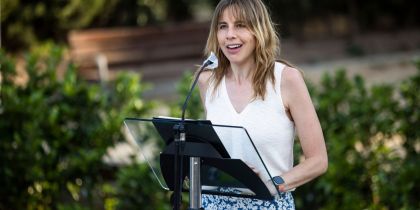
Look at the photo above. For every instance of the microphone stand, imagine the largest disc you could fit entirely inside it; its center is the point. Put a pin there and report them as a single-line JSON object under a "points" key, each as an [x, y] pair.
{"points": [[179, 130]]}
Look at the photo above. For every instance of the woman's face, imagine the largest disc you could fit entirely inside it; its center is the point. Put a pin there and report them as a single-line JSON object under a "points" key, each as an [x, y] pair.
{"points": [[235, 39]]}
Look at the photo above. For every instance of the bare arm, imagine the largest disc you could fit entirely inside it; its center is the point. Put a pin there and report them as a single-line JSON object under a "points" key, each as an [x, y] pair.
{"points": [[298, 103]]}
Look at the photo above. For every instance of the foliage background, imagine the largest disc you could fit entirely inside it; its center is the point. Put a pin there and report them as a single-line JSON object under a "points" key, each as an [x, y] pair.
{"points": [[55, 133]]}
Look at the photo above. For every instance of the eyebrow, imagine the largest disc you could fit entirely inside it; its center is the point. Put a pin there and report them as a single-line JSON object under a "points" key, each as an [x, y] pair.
{"points": [[236, 22]]}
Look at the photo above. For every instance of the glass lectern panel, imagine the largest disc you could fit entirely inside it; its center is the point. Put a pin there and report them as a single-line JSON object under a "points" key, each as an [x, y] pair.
{"points": [[240, 146], [230, 162], [144, 138]]}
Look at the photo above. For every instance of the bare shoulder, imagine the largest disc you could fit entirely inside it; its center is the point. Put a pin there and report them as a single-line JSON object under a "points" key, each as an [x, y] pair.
{"points": [[203, 83], [291, 76], [293, 86], [204, 78]]}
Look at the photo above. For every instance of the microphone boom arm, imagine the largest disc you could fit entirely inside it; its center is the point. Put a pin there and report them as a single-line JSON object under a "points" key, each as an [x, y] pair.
{"points": [[184, 106]]}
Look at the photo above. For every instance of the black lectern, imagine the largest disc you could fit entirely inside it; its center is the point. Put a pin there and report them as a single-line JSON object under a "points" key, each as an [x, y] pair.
{"points": [[212, 159]]}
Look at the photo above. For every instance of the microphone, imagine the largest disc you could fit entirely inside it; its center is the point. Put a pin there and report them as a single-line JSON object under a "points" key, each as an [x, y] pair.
{"points": [[210, 63]]}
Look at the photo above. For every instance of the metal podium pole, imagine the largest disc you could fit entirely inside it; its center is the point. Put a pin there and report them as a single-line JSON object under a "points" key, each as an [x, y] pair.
{"points": [[195, 184], [195, 176]]}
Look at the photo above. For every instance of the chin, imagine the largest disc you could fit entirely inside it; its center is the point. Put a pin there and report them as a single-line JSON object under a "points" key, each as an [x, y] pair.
{"points": [[235, 59]]}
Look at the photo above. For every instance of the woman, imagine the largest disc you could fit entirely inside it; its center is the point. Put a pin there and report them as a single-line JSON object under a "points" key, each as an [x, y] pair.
{"points": [[268, 98]]}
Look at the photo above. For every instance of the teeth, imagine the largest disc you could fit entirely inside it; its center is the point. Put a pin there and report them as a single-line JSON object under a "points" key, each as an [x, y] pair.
{"points": [[233, 46]]}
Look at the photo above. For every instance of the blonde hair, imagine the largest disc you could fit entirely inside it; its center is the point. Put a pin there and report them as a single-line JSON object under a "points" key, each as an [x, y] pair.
{"points": [[255, 15]]}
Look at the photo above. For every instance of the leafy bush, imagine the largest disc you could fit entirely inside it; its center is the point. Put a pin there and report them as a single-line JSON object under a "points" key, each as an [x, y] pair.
{"points": [[371, 135], [55, 133], [137, 189], [373, 140]]}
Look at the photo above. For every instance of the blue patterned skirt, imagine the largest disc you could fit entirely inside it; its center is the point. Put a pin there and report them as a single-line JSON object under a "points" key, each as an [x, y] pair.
{"points": [[284, 201]]}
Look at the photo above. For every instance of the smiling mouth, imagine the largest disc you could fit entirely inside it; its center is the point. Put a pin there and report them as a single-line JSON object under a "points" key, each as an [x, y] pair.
{"points": [[233, 46]]}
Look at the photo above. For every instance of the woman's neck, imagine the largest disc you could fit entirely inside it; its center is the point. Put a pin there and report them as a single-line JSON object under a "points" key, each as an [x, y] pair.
{"points": [[241, 72]]}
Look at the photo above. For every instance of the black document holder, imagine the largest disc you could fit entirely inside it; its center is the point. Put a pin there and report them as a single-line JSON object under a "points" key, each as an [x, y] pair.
{"points": [[216, 145]]}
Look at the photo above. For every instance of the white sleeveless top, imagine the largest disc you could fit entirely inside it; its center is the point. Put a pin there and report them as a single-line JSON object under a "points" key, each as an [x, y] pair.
{"points": [[266, 122]]}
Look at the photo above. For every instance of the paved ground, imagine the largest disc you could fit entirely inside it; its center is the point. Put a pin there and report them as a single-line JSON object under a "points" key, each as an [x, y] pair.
{"points": [[375, 69]]}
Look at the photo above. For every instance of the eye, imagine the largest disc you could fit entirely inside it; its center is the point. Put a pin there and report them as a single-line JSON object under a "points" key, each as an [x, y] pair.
{"points": [[222, 26], [240, 25]]}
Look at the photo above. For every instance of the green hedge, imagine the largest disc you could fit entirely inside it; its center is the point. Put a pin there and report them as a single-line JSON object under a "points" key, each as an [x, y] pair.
{"points": [[55, 132], [373, 138]]}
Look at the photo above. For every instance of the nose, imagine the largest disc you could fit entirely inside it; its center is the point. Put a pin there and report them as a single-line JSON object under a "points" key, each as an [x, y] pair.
{"points": [[230, 33]]}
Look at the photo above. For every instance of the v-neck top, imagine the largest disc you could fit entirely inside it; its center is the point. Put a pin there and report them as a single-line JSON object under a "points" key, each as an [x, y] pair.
{"points": [[266, 121], [229, 102]]}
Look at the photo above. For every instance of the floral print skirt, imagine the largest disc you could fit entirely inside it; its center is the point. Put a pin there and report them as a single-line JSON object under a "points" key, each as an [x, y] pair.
{"points": [[284, 201]]}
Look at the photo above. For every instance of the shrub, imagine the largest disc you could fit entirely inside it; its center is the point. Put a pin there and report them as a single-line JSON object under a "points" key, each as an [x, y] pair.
{"points": [[54, 133], [137, 189]]}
